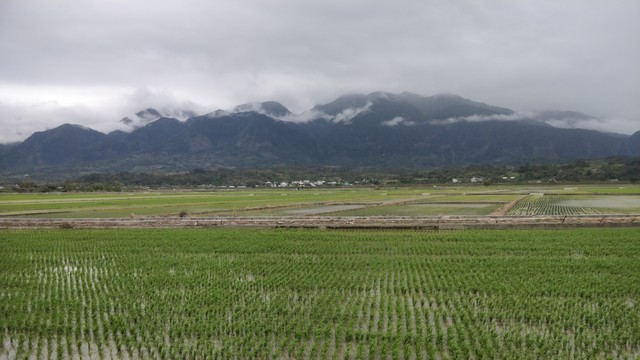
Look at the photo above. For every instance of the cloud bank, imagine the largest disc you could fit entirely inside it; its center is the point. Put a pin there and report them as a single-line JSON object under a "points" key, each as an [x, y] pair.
{"points": [[86, 61], [516, 116]]}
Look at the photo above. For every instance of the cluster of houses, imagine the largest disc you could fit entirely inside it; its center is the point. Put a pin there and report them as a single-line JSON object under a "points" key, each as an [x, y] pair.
{"points": [[474, 180], [297, 184], [306, 183], [480, 179]]}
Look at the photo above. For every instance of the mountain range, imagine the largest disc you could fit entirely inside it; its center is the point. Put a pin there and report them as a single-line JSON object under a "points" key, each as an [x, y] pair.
{"points": [[378, 130]]}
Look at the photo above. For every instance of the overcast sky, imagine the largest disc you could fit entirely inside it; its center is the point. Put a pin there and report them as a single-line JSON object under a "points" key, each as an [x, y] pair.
{"points": [[93, 62]]}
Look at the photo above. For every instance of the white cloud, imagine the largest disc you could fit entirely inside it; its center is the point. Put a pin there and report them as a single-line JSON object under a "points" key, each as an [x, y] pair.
{"points": [[611, 125], [49, 107], [306, 116], [348, 114], [19, 120], [529, 54], [255, 107], [397, 121], [479, 118], [165, 101]]}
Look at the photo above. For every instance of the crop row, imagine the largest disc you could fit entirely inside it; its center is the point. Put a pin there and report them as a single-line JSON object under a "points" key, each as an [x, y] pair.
{"points": [[552, 205], [197, 293]]}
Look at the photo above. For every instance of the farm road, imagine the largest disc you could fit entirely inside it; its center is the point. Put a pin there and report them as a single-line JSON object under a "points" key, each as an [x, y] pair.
{"points": [[328, 222]]}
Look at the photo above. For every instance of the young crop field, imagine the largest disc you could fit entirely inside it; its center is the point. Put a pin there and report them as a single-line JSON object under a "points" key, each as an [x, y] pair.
{"points": [[171, 203], [314, 294], [410, 201], [576, 205], [420, 209]]}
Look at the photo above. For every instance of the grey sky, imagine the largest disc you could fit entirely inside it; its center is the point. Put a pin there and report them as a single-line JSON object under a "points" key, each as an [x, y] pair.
{"points": [[93, 62]]}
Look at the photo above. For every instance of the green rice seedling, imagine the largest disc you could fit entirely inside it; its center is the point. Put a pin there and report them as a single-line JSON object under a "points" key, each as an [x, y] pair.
{"points": [[246, 293]]}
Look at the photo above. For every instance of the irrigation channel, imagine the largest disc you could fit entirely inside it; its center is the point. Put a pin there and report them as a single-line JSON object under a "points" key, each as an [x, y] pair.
{"points": [[329, 222]]}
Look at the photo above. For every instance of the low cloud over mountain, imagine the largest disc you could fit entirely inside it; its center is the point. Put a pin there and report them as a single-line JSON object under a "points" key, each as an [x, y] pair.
{"points": [[378, 129]]}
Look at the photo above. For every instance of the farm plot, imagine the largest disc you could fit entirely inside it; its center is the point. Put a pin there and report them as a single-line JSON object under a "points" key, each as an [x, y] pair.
{"points": [[332, 202], [611, 203], [308, 294], [436, 205], [420, 209], [576, 205], [425, 204], [219, 203]]}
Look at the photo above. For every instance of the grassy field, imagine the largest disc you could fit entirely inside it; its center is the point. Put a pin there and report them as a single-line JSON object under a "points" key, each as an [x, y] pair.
{"points": [[429, 201], [238, 293], [171, 203]]}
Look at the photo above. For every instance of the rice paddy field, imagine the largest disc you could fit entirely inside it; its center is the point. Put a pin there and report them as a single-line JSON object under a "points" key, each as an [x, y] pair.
{"points": [[432, 201], [315, 294], [268, 293]]}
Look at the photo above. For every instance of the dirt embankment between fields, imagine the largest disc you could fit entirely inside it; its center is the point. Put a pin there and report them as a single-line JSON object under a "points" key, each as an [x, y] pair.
{"points": [[508, 206], [330, 222]]}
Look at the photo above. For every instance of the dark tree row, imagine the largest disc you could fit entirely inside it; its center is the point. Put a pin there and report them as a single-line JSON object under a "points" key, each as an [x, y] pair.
{"points": [[605, 170]]}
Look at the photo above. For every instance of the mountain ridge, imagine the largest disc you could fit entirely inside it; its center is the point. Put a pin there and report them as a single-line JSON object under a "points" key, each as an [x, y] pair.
{"points": [[378, 129]]}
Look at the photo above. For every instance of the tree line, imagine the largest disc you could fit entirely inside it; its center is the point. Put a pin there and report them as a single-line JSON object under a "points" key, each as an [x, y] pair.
{"points": [[621, 169]]}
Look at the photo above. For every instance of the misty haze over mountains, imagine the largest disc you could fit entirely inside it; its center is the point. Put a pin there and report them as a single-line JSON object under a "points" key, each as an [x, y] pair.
{"points": [[379, 130], [346, 107], [96, 62]]}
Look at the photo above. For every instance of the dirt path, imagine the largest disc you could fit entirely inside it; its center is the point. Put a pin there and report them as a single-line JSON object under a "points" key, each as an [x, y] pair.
{"points": [[508, 206], [333, 222]]}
